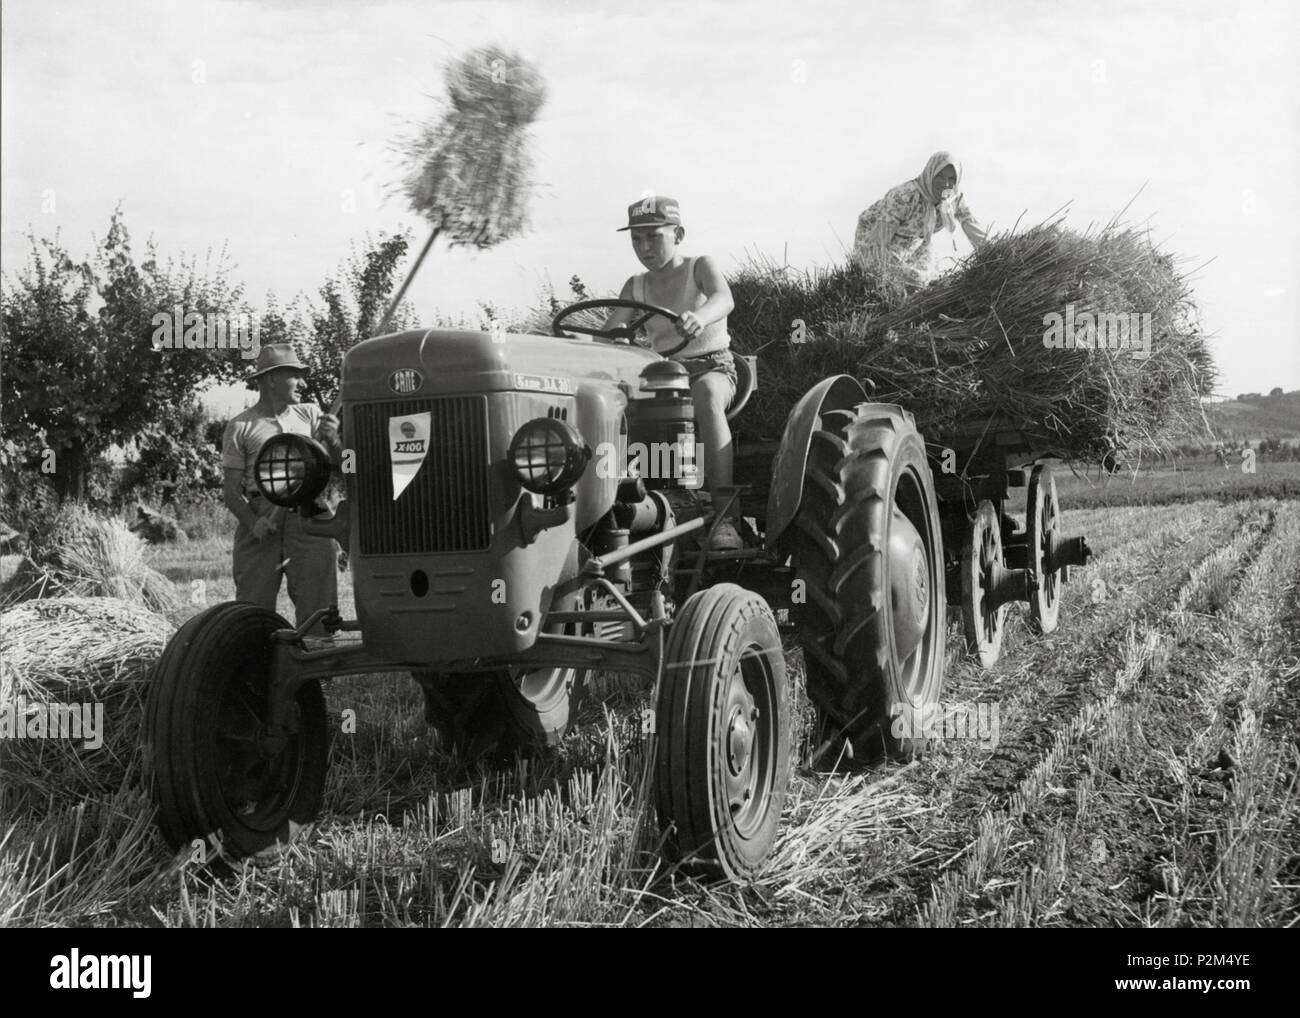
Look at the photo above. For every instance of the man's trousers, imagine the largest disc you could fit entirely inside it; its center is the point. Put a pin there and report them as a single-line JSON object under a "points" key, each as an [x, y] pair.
{"points": [[310, 564]]}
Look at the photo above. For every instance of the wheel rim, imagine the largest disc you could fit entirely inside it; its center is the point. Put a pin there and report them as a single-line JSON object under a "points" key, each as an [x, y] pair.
{"points": [[542, 697], [1044, 521], [259, 768], [1050, 580], [911, 503], [990, 555], [544, 689], [981, 551], [746, 743]]}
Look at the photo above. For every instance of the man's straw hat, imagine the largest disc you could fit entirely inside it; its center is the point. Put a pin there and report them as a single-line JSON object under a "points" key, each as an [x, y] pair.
{"points": [[274, 356]]}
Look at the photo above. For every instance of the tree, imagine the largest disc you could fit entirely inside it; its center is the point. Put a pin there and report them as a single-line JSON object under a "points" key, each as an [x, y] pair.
{"points": [[353, 300], [1275, 391], [81, 368], [175, 456]]}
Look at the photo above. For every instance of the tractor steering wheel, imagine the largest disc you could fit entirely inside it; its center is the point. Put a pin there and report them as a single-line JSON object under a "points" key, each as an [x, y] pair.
{"points": [[622, 332]]}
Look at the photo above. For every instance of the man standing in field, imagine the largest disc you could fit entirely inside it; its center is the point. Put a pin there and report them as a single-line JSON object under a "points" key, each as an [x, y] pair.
{"points": [[269, 541]]}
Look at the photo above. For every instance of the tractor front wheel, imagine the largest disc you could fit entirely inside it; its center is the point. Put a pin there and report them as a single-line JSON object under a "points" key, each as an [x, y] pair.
{"points": [[222, 772], [722, 755]]}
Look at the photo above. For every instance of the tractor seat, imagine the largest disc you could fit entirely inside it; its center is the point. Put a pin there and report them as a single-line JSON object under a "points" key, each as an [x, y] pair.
{"points": [[669, 374], [746, 383]]}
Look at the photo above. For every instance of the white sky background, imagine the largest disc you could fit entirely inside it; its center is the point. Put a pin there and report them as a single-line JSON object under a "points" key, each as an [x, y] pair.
{"points": [[1045, 103]]}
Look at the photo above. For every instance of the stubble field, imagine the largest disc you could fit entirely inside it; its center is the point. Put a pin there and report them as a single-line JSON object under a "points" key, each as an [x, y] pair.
{"points": [[1136, 768]]}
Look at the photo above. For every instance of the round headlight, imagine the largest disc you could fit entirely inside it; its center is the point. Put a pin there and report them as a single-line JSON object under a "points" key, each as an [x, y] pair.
{"points": [[548, 455], [291, 470]]}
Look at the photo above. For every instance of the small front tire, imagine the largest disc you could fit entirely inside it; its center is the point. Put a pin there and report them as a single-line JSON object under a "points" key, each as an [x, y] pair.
{"points": [[722, 759], [222, 774]]}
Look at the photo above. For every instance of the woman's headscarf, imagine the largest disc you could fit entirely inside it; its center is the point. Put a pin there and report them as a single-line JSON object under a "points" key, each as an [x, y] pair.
{"points": [[935, 204]]}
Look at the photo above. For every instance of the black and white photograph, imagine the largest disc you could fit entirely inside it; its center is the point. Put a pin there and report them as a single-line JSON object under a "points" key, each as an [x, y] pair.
{"points": [[574, 464]]}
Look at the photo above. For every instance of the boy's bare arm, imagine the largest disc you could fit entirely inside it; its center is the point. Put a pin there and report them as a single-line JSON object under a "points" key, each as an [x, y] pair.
{"points": [[718, 304]]}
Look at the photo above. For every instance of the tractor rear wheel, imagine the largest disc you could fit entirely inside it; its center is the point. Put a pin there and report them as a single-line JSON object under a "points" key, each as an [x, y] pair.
{"points": [[722, 754], [866, 545], [222, 773], [501, 712]]}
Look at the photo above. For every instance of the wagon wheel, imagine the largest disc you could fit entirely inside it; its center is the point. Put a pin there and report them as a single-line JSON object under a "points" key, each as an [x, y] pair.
{"points": [[981, 552], [1042, 519], [221, 771], [722, 756]]}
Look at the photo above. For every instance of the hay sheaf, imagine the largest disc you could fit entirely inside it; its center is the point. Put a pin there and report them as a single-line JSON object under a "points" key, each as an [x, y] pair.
{"points": [[67, 651], [470, 170], [970, 347], [86, 556]]}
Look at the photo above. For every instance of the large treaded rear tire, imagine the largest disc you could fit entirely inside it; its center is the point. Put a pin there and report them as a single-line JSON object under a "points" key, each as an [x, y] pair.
{"points": [[500, 713], [862, 465]]}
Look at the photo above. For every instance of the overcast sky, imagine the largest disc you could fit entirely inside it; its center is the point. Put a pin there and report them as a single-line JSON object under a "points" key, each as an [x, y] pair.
{"points": [[265, 126]]}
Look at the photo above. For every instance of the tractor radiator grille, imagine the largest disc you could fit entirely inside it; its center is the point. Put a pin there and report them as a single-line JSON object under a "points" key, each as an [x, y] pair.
{"points": [[445, 506]]}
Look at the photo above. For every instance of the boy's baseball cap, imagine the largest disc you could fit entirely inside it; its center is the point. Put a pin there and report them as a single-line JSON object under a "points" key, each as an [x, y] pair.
{"points": [[653, 211]]}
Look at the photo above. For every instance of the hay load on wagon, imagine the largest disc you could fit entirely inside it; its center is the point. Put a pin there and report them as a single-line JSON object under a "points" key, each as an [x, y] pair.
{"points": [[1125, 367]]}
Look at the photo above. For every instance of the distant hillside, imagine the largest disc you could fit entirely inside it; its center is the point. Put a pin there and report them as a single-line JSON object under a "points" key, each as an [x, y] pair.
{"points": [[1253, 416]]}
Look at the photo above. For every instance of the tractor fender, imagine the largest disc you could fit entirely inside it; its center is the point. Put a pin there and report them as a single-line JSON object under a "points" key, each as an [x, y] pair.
{"points": [[839, 392]]}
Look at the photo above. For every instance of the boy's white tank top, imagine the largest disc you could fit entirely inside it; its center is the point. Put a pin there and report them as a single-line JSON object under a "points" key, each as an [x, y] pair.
{"points": [[660, 330]]}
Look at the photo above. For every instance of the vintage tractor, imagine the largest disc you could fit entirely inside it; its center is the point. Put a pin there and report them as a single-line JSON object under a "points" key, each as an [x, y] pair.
{"points": [[523, 510]]}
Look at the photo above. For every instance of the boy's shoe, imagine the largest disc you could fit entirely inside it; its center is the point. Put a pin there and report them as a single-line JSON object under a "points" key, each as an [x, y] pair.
{"points": [[725, 538]]}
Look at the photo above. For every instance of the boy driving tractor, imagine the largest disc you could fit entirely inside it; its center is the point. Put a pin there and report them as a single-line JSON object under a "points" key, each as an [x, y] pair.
{"points": [[695, 289]]}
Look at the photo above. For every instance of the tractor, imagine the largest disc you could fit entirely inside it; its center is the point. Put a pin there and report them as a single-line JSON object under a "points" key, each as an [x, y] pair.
{"points": [[524, 510]]}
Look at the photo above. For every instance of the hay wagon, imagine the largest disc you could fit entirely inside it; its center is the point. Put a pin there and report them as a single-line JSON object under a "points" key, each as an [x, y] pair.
{"points": [[990, 560], [980, 472]]}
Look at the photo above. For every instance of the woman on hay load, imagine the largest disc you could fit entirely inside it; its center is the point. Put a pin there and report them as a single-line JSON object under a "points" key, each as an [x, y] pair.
{"points": [[895, 233]]}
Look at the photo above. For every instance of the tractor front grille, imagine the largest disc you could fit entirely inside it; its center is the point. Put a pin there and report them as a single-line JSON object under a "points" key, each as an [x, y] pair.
{"points": [[445, 507]]}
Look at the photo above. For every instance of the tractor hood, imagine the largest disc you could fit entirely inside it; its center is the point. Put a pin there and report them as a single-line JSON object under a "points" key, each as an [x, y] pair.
{"points": [[451, 361]]}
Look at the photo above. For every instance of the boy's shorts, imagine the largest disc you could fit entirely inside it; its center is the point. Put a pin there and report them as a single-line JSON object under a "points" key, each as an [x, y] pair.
{"points": [[720, 361]]}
